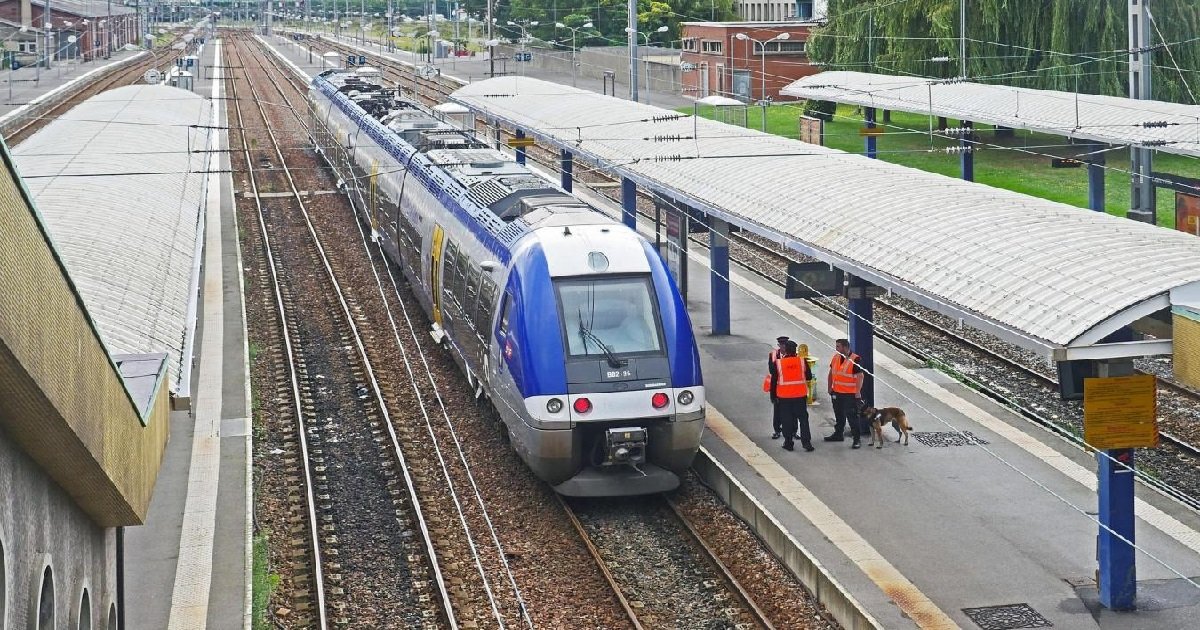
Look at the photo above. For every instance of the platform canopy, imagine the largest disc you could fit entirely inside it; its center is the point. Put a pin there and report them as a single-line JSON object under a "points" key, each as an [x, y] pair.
{"points": [[120, 182], [1175, 128], [1047, 276]]}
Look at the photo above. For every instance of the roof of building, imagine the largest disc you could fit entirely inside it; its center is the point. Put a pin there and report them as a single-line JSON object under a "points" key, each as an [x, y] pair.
{"points": [[1107, 119], [87, 8], [761, 25], [1038, 273], [120, 182], [95, 428]]}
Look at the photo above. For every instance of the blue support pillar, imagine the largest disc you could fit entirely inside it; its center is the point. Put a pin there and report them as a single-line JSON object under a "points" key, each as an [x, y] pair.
{"points": [[567, 168], [966, 159], [718, 247], [520, 149], [869, 118], [862, 334], [629, 203], [1096, 179], [1118, 569]]}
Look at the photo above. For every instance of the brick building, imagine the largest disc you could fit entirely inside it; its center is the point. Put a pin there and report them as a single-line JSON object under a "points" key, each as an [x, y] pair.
{"points": [[98, 26], [716, 61], [777, 10]]}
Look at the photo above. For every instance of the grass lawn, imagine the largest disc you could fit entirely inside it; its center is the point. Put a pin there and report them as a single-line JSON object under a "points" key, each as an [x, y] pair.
{"points": [[264, 584], [907, 142]]}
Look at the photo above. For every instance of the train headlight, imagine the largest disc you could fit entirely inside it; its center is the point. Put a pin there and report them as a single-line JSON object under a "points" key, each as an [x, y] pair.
{"points": [[685, 397], [554, 405], [660, 400]]}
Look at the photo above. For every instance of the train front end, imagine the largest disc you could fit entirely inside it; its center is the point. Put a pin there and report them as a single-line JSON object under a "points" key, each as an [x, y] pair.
{"points": [[624, 413]]}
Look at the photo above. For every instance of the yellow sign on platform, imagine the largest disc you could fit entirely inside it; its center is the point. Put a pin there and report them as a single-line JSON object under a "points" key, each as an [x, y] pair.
{"points": [[1120, 412], [520, 142], [870, 131]]}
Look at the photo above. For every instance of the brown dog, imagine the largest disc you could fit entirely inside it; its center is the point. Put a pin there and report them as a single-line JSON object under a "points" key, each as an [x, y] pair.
{"points": [[887, 415]]}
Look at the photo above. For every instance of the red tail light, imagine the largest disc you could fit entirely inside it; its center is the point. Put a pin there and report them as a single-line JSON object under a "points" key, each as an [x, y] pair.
{"points": [[582, 405], [660, 400]]}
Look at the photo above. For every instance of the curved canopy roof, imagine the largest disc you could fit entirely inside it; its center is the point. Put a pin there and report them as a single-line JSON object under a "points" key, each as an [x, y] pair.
{"points": [[1107, 119], [1041, 274], [120, 183]]}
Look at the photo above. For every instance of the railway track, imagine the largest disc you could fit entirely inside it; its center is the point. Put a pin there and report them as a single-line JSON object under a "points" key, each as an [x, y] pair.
{"points": [[359, 548], [1171, 469], [130, 74], [550, 562], [658, 566]]}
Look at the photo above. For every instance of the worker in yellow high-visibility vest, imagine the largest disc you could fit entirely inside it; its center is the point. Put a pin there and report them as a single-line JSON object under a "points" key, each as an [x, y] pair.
{"points": [[845, 390]]}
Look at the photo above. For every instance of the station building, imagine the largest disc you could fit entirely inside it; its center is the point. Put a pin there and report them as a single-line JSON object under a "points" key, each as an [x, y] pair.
{"points": [[97, 26], [744, 60], [97, 252]]}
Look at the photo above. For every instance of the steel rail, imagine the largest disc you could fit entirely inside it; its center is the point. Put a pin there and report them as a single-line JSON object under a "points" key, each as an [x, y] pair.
{"points": [[600, 563], [732, 582], [444, 594], [289, 347]]}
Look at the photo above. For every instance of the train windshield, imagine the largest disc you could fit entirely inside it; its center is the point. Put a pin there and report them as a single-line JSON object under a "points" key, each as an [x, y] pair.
{"points": [[607, 316]]}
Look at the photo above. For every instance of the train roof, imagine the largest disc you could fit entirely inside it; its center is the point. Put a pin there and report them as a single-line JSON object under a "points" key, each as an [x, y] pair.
{"points": [[519, 200]]}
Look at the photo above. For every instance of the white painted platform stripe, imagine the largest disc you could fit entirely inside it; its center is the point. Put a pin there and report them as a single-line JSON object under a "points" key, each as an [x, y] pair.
{"points": [[1169, 525], [902, 592], [193, 572]]}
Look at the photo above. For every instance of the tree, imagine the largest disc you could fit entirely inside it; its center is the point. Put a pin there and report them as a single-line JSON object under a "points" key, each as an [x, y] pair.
{"points": [[1051, 44]]}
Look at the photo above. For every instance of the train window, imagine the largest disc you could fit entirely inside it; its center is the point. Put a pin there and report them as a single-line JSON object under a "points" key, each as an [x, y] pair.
{"points": [[608, 315], [460, 280], [449, 266], [502, 328], [472, 296], [487, 305]]}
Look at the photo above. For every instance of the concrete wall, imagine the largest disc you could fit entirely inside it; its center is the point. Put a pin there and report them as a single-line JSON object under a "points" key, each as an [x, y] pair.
{"points": [[41, 526], [661, 63], [1186, 324]]}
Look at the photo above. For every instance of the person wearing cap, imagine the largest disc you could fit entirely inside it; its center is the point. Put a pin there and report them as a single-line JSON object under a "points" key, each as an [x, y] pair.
{"points": [[774, 355], [789, 392]]}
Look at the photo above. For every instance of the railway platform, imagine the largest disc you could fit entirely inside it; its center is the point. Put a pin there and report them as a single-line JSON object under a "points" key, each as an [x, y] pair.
{"points": [[189, 565], [993, 527], [21, 86], [955, 529]]}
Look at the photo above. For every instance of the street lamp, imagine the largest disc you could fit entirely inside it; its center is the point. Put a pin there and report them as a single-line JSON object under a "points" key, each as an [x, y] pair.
{"points": [[574, 61], [661, 29], [524, 26], [433, 35], [763, 55]]}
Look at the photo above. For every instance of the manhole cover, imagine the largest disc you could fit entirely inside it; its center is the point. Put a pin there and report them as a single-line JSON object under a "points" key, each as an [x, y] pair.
{"points": [[1007, 617], [948, 438]]}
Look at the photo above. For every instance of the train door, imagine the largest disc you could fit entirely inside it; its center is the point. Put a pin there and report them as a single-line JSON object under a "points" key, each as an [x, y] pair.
{"points": [[435, 265]]}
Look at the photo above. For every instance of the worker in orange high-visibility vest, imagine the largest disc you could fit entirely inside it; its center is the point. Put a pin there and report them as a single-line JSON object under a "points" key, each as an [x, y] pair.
{"points": [[845, 390], [789, 393], [772, 357]]}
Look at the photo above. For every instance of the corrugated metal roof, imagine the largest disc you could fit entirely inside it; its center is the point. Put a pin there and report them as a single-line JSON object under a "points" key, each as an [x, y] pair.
{"points": [[120, 183], [86, 8], [1042, 273], [1108, 119]]}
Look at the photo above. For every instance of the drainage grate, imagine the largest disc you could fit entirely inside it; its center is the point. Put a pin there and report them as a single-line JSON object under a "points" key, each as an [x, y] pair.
{"points": [[1007, 617], [948, 438]]}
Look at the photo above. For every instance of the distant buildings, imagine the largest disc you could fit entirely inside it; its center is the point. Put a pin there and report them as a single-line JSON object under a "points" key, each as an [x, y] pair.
{"points": [[744, 60], [78, 28], [778, 10]]}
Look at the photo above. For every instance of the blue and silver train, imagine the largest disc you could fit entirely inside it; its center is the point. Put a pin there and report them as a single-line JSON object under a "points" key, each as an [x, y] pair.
{"points": [[568, 321]]}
